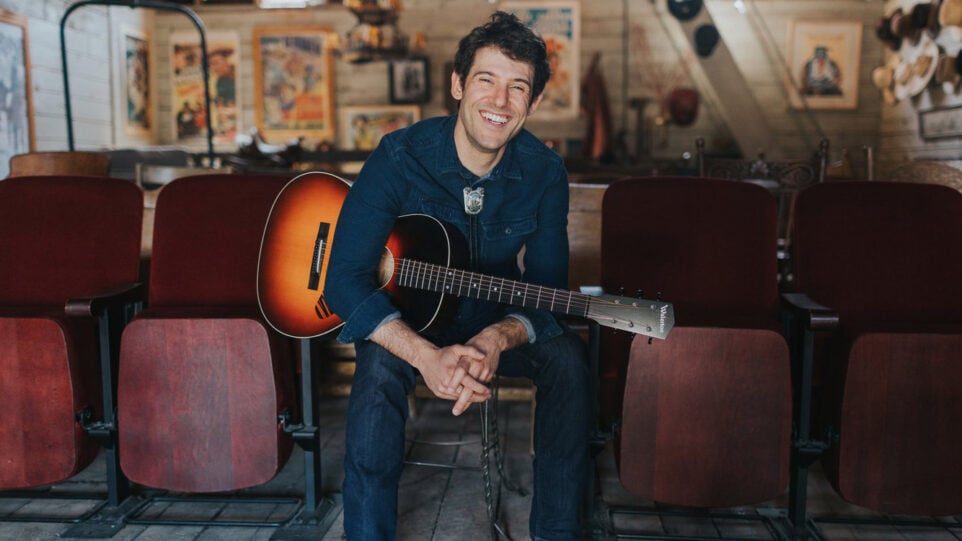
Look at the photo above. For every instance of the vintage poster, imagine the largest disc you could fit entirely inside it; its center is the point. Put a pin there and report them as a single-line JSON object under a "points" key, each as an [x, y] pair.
{"points": [[558, 23], [16, 111], [136, 77], [823, 57], [223, 64], [362, 127], [293, 83]]}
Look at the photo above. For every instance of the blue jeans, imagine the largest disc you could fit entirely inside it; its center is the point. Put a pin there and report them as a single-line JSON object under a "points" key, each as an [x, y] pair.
{"points": [[378, 409]]}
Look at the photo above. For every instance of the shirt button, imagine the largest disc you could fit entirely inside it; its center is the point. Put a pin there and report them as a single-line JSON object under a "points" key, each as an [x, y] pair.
{"points": [[507, 231]]}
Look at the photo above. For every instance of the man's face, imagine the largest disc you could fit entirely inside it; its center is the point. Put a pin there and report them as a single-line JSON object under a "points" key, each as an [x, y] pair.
{"points": [[495, 101]]}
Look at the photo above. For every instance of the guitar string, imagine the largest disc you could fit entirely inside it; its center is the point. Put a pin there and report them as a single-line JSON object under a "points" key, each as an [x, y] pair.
{"points": [[432, 276], [439, 278]]}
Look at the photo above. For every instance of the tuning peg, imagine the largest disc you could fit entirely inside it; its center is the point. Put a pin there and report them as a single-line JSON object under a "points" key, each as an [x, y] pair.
{"points": [[649, 339], [640, 294], [658, 296], [621, 291]]}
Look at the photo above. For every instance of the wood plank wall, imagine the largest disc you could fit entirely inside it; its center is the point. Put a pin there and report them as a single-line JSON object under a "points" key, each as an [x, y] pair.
{"points": [[638, 54]]}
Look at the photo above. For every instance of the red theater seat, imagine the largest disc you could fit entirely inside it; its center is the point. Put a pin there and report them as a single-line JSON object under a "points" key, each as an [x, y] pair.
{"points": [[203, 379], [886, 257], [69, 257], [706, 414]]}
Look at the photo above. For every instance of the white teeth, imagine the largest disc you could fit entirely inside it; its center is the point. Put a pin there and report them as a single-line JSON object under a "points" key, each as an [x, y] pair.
{"points": [[495, 118]]}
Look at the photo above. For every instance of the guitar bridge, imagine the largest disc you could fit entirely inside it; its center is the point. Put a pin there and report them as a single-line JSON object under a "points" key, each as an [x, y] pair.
{"points": [[320, 247]]}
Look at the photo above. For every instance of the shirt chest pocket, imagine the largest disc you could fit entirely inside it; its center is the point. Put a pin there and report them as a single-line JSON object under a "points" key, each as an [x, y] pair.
{"points": [[503, 239]]}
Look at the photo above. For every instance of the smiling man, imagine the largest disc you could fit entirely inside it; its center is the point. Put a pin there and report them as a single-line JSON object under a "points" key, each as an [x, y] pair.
{"points": [[481, 172]]}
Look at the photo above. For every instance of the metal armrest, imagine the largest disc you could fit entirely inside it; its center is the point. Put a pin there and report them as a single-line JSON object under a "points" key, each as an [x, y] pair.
{"points": [[814, 316], [96, 304]]}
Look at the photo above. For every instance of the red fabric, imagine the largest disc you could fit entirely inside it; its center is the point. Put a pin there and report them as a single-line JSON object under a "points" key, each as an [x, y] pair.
{"points": [[60, 238], [63, 237], [707, 419], [198, 400], [888, 257], [885, 250], [224, 218], [202, 377], [707, 245]]}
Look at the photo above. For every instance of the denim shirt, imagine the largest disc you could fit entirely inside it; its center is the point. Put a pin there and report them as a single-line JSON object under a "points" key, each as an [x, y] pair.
{"points": [[417, 170]]}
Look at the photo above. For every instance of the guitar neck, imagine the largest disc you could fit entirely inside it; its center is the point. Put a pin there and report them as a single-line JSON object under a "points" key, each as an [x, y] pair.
{"points": [[441, 279]]}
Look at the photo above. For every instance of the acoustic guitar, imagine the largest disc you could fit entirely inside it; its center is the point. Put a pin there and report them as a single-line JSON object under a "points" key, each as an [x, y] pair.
{"points": [[420, 269]]}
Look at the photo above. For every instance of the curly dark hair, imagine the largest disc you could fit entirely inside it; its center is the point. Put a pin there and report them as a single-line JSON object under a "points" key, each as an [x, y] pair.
{"points": [[514, 39]]}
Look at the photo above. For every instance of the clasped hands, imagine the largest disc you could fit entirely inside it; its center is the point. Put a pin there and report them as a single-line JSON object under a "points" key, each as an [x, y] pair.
{"points": [[461, 372]]}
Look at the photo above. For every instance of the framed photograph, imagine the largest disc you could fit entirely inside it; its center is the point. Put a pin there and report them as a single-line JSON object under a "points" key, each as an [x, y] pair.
{"points": [[137, 110], [941, 123], [16, 107], [410, 80], [223, 71], [294, 83], [363, 126], [558, 22], [823, 59]]}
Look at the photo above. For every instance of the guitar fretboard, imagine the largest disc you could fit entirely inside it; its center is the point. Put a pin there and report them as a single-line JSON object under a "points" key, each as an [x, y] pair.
{"points": [[437, 278]]}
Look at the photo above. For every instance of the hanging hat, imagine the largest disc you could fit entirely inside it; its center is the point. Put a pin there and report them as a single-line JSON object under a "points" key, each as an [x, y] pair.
{"points": [[684, 10], [915, 71], [925, 16], [883, 77], [683, 105], [706, 38], [950, 13], [883, 31], [947, 72], [902, 26]]}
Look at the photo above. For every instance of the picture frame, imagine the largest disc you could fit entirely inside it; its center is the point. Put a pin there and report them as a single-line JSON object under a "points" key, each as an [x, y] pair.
{"points": [[362, 127], [136, 109], [223, 71], [558, 22], [940, 123], [410, 80], [294, 83], [823, 58], [17, 135]]}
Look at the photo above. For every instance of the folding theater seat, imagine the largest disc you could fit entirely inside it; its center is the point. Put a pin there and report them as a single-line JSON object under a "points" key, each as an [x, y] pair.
{"points": [[69, 252], [203, 379], [886, 259], [704, 417]]}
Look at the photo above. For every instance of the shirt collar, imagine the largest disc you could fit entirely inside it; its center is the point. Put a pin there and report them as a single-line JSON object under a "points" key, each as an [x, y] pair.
{"points": [[448, 162]]}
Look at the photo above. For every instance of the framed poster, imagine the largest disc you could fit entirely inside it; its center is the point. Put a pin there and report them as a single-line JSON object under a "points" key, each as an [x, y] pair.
{"points": [[294, 83], [410, 80], [223, 70], [558, 22], [135, 77], [362, 127], [16, 104], [823, 59], [941, 123]]}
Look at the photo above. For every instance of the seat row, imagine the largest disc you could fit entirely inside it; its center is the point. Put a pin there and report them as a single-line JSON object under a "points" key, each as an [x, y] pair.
{"points": [[858, 366], [182, 382]]}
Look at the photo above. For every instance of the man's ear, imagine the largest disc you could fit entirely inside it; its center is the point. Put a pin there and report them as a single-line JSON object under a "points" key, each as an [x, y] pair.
{"points": [[534, 104], [457, 88]]}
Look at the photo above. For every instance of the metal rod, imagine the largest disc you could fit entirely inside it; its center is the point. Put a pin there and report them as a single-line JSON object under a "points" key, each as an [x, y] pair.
{"points": [[153, 4]]}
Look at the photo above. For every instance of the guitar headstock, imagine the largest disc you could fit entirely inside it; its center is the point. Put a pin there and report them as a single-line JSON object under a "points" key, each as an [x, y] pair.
{"points": [[652, 318]]}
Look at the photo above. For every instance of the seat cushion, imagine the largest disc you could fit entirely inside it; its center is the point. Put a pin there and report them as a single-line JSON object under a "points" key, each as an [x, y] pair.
{"points": [[707, 418], [41, 391], [898, 421], [198, 400]]}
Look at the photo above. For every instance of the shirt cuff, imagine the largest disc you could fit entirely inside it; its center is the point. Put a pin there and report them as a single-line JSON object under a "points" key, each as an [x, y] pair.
{"points": [[527, 325], [389, 318]]}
